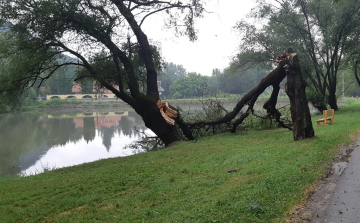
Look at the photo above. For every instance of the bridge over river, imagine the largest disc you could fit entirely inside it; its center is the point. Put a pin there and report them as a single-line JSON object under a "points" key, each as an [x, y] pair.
{"points": [[80, 96]]}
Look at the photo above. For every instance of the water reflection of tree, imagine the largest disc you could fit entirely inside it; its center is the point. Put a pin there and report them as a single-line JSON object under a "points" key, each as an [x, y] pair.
{"points": [[16, 135], [107, 134], [89, 129], [61, 131], [131, 125], [125, 126], [26, 137]]}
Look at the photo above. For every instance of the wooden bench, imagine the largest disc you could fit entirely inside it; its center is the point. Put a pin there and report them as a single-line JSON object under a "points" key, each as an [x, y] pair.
{"points": [[328, 115]]}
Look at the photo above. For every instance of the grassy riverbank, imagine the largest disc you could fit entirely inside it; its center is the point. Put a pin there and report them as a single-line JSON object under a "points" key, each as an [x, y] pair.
{"points": [[110, 103], [71, 104], [250, 176]]}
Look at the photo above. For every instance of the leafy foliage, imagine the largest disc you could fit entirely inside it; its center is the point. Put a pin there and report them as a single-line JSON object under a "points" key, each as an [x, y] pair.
{"points": [[106, 38], [317, 30], [192, 85], [85, 28], [169, 74], [237, 81]]}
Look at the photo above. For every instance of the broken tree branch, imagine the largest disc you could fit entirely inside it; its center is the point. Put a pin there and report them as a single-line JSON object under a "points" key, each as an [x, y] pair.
{"points": [[273, 78]]}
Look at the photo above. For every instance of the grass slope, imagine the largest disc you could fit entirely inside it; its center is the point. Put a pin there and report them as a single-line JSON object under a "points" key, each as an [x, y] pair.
{"points": [[251, 176]]}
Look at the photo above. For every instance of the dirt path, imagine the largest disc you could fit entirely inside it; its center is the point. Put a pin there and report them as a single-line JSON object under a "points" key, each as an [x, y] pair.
{"points": [[336, 198]]}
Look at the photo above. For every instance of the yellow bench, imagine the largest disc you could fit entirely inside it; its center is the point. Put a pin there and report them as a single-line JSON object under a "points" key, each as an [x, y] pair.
{"points": [[324, 120]]}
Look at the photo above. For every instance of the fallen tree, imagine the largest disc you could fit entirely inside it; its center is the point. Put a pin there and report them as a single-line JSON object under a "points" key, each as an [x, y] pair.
{"points": [[109, 46], [295, 88]]}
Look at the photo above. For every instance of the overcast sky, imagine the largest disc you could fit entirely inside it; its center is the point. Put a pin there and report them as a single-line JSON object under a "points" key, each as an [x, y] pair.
{"points": [[216, 43]]}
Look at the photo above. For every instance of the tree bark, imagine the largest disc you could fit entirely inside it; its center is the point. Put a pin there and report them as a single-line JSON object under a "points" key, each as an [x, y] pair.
{"points": [[270, 107], [320, 107], [333, 102], [356, 74], [295, 89], [332, 99], [150, 113]]}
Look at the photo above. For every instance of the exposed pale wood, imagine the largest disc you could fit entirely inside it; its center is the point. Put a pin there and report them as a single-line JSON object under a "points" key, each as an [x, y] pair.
{"points": [[167, 113]]}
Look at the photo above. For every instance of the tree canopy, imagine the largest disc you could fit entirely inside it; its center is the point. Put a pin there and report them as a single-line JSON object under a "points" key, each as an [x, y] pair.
{"points": [[192, 85], [96, 32], [169, 74], [107, 40], [318, 30]]}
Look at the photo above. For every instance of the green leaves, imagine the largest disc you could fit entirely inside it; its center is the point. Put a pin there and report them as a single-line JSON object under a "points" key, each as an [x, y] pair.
{"points": [[87, 29], [318, 31], [193, 85]]}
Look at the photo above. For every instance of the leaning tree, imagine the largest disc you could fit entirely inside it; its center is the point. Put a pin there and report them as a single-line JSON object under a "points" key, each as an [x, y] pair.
{"points": [[106, 38]]}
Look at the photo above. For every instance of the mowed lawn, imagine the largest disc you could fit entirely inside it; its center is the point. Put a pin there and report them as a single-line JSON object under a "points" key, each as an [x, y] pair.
{"points": [[249, 176]]}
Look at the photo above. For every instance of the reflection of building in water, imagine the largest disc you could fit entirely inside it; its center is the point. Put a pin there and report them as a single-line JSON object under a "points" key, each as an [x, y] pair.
{"points": [[79, 122], [101, 121], [33, 143], [92, 114], [107, 119], [103, 124]]}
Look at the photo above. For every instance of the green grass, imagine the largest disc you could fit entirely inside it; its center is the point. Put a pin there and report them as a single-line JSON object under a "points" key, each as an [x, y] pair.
{"points": [[352, 101], [251, 176], [54, 103]]}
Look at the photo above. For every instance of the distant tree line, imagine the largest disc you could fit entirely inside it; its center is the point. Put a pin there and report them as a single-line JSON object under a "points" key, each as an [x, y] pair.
{"points": [[178, 83]]}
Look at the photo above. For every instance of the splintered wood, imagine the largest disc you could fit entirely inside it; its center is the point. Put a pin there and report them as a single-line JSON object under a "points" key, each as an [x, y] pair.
{"points": [[167, 113]]}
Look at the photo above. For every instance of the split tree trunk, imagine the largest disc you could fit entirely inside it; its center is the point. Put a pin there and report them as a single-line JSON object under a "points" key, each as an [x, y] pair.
{"points": [[150, 113], [300, 112], [154, 120], [295, 89]]}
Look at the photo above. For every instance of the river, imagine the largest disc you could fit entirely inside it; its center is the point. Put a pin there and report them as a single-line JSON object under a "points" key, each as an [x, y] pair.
{"points": [[32, 143]]}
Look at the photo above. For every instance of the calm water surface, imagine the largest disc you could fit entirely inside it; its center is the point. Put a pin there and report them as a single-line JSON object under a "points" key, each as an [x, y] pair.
{"points": [[32, 143]]}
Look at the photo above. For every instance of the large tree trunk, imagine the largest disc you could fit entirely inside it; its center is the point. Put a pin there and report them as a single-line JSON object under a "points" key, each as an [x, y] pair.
{"points": [[333, 101], [172, 129], [319, 106], [356, 73], [168, 133], [295, 89]]}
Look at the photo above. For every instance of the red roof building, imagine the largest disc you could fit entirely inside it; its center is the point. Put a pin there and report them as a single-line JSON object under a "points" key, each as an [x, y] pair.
{"points": [[76, 89]]}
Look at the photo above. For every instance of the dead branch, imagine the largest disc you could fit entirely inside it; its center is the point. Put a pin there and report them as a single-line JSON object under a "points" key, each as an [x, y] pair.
{"points": [[273, 78], [246, 114], [270, 107]]}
